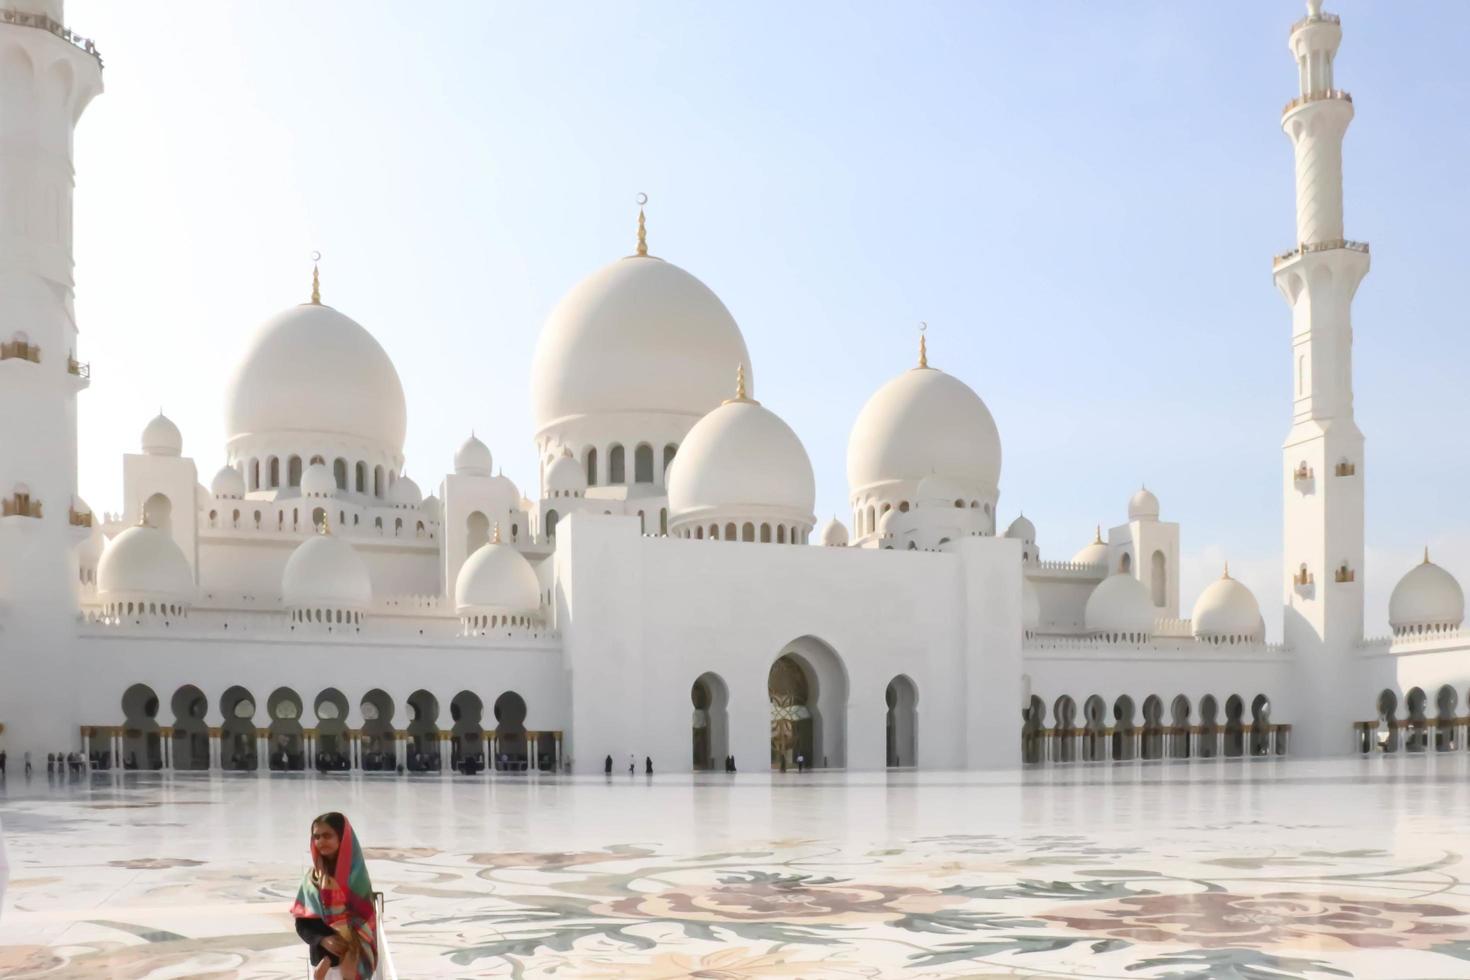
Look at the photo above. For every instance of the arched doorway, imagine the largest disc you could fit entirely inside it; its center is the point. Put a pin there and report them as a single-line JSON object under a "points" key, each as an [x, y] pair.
{"points": [[142, 746], [287, 741], [158, 512], [1151, 744], [423, 732], [711, 721], [902, 726], [1388, 730], [1445, 738], [333, 750], [807, 687], [1064, 723], [1123, 729], [467, 751], [191, 734], [1095, 745], [1209, 731], [237, 752], [1179, 725], [1033, 731], [1234, 726], [1417, 702], [510, 732], [476, 532], [379, 743], [1261, 725]]}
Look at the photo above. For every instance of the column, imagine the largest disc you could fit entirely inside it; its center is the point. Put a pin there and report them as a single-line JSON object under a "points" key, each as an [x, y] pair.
{"points": [[166, 742], [532, 744]]}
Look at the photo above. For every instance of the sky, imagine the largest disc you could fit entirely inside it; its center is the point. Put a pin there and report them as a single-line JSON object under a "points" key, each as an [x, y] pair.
{"points": [[1080, 199]]}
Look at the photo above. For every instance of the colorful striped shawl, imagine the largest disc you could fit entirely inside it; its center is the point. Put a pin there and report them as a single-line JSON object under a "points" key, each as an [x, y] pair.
{"points": [[348, 910]]}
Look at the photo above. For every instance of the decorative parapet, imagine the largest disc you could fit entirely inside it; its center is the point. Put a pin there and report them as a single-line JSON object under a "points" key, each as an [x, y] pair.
{"points": [[1303, 578], [1074, 567], [1174, 628], [1326, 95], [1304, 247], [1344, 574], [1317, 18], [20, 350], [76, 518], [21, 18], [1155, 645], [1345, 468], [20, 505]]}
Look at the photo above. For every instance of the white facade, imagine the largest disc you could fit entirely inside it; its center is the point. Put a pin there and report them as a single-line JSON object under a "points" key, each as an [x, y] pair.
{"points": [[661, 594]]}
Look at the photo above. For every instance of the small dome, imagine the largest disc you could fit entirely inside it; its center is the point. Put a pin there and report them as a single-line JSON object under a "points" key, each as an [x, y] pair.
{"points": [[318, 481], [1095, 553], [1143, 506], [565, 475], [144, 563], [228, 483], [495, 579], [937, 491], [405, 493], [1022, 529], [1120, 606], [1227, 610], [161, 437], [924, 421], [1030, 606], [313, 369], [431, 507], [1427, 597], [638, 335], [325, 572], [834, 534], [741, 459], [472, 458], [886, 520], [89, 551]]}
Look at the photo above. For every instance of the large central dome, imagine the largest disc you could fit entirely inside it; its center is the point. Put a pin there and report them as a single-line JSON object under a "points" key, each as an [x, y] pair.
{"points": [[639, 335], [311, 369]]}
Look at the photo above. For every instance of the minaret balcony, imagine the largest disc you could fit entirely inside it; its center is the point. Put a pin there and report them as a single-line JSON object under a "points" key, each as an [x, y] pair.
{"points": [[1344, 574], [20, 350], [1325, 95], [78, 519], [21, 18], [81, 369], [1327, 246], [1345, 468], [1317, 18], [20, 504]]}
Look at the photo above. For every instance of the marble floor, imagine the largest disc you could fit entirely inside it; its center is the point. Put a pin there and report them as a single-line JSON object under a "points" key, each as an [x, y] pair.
{"points": [[1241, 869]]}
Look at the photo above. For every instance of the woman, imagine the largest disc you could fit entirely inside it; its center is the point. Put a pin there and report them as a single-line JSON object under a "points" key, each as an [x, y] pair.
{"points": [[334, 908]]}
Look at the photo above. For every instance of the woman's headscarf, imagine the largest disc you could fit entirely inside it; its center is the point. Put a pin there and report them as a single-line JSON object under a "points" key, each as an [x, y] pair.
{"points": [[342, 896]]}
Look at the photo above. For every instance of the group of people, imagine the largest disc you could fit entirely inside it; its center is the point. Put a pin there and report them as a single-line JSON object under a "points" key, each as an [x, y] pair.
{"points": [[57, 763], [607, 765]]}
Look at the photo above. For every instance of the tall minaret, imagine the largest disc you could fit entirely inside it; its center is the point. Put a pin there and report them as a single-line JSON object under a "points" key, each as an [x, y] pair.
{"points": [[47, 77], [1322, 459]]}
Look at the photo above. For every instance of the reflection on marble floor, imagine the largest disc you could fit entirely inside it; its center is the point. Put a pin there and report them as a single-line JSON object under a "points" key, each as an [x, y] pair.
{"points": [[1243, 869]]}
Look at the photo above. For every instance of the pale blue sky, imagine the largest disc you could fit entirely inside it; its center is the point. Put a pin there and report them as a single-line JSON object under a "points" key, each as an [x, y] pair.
{"points": [[1082, 200]]}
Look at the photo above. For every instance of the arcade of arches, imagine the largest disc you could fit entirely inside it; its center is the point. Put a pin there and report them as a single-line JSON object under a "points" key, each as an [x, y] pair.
{"points": [[466, 741], [1096, 733], [1417, 726]]}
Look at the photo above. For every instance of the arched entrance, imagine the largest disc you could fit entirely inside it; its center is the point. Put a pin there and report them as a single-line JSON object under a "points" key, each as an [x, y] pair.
{"points": [[807, 687], [1261, 725], [1064, 722], [467, 751], [902, 698], [1445, 733], [142, 747], [1209, 713], [510, 732], [423, 732], [1033, 731], [333, 752], [1095, 744], [1151, 744], [1388, 732], [1179, 725], [1123, 730], [287, 742], [237, 751], [711, 721], [379, 744], [191, 734], [1234, 726], [1416, 701]]}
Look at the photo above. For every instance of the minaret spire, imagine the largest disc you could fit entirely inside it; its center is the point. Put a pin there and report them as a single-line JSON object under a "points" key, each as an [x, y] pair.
{"points": [[316, 279], [642, 226], [923, 345]]}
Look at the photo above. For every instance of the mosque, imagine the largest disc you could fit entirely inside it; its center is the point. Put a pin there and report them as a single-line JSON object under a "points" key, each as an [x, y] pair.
{"points": [[660, 586]]}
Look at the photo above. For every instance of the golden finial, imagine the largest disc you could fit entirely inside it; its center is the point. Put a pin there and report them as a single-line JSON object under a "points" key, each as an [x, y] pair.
{"points": [[1226, 573], [923, 345], [740, 395], [316, 279], [495, 535], [325, 527], [642, 226], [1426, 554], [1097, 535]]}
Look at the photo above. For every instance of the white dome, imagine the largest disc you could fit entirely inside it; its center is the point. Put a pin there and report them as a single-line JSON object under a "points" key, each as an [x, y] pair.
{"points": [[144, 563], [834, 534], [1120, 605], [1095, 553], [924, 421], [741, 456], [405, 493], [472, 458], [1227, 610], [565, 475], [89, 550], [1022, 529], [228, 483], [496, 578], [937, 491], [1143, 506], [1427, 596], [161, 437], [312, 369], [639, 335], [431, 507], [325, 572], [1030, 606], [318, 481]]}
